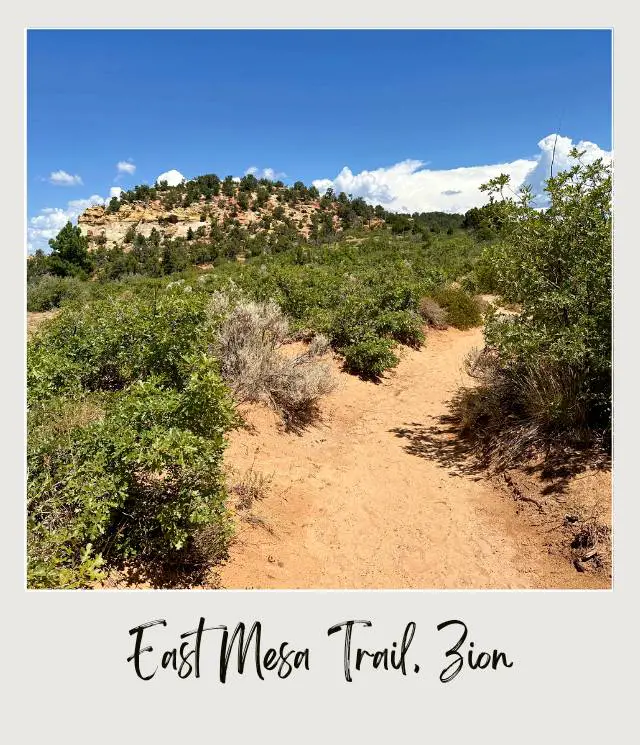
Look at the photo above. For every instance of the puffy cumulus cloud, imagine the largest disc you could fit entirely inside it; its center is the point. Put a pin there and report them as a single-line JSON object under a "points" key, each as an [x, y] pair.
{"points": [[555, 148], [172, 177], [268, 173], [115, 191], [409, 186], [62, 178], [126, 166], [50, 221]]}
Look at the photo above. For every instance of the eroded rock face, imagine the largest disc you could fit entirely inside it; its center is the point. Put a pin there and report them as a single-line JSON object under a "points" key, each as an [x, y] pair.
{"points": [[110, 228]]}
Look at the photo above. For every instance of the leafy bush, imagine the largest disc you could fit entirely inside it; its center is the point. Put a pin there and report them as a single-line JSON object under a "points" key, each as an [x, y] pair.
{"points": [[48, 292], [401, 325], [552, 378], [127, 415], [109, 343], [462, 310], [370, 358], [556, 264]]}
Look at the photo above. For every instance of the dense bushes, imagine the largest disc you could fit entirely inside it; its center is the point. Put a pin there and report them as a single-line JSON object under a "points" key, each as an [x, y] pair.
{"points": [[129, 387], [363, 297], [551, 377], [47, 292], [127, 414]]}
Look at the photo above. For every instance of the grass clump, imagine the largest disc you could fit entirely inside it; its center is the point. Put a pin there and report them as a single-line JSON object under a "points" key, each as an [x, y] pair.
{"points": [[517, 410], [432, 312], [249, 344]]}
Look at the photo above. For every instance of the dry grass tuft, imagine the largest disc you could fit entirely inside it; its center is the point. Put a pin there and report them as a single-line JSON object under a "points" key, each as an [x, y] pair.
{"points": [[248, 488], [248, 343], [431, 312], [514, 412]]}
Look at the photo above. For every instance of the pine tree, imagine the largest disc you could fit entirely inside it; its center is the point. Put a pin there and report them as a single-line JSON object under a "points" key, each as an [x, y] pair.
{"points": [[70, 253]]}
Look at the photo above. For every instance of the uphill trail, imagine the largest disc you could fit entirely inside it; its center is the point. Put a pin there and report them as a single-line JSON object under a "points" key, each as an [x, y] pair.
{"points": [[381, 494]]}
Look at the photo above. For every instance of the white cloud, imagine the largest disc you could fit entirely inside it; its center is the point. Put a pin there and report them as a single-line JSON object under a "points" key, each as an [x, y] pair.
{"points": [[410, 187], [48, 223], [269, 173], [126, 166], [62, 178], [555, 148], [115, 191], [172, 177]]}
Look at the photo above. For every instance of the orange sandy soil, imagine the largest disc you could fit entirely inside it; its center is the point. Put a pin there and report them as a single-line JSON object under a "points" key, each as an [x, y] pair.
{"points": [[380, 494]]}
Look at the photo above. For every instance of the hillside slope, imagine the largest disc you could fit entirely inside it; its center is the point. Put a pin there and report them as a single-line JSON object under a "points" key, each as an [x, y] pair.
{"points": [[197, 208]]}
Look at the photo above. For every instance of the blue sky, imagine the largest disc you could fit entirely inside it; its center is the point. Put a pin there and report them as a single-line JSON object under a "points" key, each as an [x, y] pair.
{"points": [[388, 115]]}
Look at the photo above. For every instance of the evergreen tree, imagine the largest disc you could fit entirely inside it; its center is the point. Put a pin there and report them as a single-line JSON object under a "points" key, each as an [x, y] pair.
{"points": [[70, 253]]}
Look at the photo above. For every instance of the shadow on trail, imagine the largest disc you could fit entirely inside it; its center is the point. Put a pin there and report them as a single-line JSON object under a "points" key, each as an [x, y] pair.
{"points": [[441, 442], [556, 466]]}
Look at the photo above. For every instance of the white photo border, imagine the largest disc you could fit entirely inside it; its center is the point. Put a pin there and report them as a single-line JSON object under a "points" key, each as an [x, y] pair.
{"points": [[573, 651]]}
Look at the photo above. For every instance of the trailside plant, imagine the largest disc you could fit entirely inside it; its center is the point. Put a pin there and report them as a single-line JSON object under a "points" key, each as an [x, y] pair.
{"points": [[127, 416], [552, 361]]}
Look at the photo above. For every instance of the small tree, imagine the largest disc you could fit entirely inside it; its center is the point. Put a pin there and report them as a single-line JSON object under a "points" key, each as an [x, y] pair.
{"points": [[70, 253], [556, 263], [114, 205], [228, 186]]}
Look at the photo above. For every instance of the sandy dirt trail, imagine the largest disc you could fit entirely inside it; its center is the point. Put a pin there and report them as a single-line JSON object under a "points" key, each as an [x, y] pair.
{"points": [[377, 494]]}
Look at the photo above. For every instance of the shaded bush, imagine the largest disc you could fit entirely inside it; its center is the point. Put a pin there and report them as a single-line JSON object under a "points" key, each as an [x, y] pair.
{"points": [[137, 481], [520, 408]]}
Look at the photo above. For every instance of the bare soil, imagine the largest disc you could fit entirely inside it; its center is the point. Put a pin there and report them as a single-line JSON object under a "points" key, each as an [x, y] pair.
{"points": [[35, 319], [381, 493]]}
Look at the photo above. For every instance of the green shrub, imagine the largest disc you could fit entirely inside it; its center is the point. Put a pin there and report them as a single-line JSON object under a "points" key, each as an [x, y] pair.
{"points": [[107, 344], [462, 310], [139, 481], [550, 381], [48, 292], [401, 325], [127, 415], [370, 358], [556, 263]]}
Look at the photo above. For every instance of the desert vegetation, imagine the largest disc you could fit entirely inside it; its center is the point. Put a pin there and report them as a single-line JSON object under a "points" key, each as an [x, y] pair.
{"points": [[135, 383], [545, 373]]}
